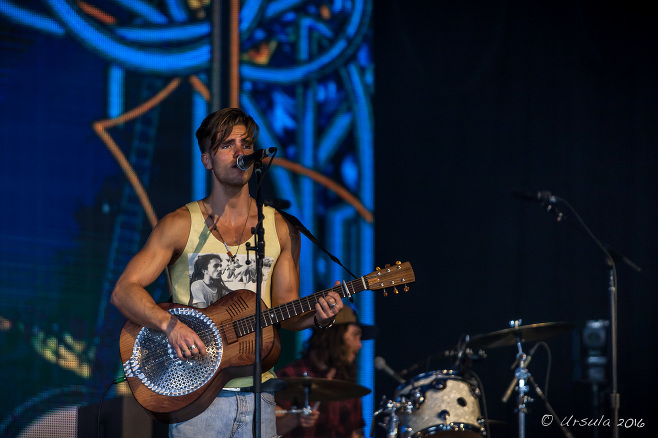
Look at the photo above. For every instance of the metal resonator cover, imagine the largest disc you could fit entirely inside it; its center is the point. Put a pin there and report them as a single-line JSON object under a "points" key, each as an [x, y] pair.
{"points": [[155, 363]]}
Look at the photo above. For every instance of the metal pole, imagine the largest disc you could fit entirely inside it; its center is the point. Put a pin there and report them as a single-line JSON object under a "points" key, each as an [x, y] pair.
{"points": [[215, 63], [614, 396]]}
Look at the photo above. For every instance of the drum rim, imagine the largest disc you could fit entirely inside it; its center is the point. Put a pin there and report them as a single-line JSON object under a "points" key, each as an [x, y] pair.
{"points": [[449, 374], [449, 427]]}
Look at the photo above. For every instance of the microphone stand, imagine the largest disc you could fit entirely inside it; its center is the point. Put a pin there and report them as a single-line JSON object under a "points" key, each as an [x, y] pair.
{"points": [[260, 255], [614, 395], [612, 290]]}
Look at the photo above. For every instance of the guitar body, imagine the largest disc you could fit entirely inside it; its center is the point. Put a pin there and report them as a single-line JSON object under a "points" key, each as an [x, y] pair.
{"points": [[237, 359]]}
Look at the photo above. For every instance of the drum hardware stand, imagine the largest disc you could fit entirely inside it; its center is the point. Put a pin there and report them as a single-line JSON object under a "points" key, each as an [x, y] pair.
{"points": [[549, 408], [306, 410], [307, 395], [393, 423], [521, 373], [523, 376]]}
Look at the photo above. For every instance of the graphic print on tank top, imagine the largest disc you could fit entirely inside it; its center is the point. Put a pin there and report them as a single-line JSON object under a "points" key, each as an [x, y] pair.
{"points": [[214, 275]]}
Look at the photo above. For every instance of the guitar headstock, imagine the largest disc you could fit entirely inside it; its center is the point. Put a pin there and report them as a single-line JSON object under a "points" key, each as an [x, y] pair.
{"points": [[391, 276]]}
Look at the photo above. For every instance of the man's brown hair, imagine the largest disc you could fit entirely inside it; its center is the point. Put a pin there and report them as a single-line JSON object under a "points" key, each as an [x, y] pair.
{"points": [[217, 126]]}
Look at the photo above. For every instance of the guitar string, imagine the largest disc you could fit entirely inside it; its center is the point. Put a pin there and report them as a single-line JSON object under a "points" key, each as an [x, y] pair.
{"points": [[276, 314], [250, 320], [247, 323]]}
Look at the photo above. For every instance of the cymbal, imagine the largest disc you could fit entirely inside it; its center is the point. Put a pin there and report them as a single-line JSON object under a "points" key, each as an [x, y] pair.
{"points": [[320, 389], [527, 333]]}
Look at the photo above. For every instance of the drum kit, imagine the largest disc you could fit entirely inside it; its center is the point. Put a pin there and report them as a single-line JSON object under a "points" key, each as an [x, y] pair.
{"points": [[448, 403], [444, 403]]}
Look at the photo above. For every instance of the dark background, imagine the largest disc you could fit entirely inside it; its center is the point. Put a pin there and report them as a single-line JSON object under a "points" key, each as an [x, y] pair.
{"points": [[473, 100]]}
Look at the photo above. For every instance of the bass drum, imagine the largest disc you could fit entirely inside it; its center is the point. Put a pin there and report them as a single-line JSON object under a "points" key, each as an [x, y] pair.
{"points": [[440, 404]]}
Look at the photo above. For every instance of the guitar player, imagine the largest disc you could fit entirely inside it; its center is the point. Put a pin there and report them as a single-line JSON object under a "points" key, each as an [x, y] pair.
{"points": [[217, 225]]}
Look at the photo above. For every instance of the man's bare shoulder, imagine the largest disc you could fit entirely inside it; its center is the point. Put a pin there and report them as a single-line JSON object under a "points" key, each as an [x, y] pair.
{"points": [[288, 234], [283, 226], [174, 228], [177, 218]]}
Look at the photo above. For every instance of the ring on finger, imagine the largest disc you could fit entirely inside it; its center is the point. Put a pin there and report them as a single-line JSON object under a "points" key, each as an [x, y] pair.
{"points": [[332, 305], [192, 347]]}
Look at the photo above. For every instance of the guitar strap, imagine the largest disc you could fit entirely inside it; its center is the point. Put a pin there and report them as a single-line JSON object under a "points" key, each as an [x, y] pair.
{"points": [[302, 229]]}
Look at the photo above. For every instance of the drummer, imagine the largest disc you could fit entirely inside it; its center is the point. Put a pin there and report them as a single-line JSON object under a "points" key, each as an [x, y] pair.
{"points": [[329, 353]]}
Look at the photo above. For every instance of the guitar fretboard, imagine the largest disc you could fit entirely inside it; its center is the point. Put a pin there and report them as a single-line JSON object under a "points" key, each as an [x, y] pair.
{"points": [[247, 325]]}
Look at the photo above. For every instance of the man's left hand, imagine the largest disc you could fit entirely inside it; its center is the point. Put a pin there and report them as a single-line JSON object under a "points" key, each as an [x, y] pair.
{"points": [[328, 307]]}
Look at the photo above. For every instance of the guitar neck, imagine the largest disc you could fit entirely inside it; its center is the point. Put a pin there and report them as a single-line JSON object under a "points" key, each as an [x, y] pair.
{"points": [[277, 314]]}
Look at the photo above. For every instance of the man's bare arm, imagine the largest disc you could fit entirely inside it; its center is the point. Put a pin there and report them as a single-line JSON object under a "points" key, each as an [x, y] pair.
{"points": [[285, 281], [133, 300]]}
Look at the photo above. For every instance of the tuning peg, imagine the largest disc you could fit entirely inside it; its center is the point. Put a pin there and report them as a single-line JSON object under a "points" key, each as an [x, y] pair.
{"points": [[385, 293], [387, 265], [395, 290], [398, 263], [406, 288], [377, 268]]}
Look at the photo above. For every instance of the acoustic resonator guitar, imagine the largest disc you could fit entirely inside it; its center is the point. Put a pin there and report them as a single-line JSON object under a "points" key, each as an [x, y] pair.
{"points": [[173, 390]]}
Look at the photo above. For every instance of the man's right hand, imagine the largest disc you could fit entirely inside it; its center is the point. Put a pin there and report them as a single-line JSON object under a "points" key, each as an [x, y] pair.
{"points": [[184, 340]]}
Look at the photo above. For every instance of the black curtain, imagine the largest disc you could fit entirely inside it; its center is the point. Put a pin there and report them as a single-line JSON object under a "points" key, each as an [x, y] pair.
{"points": [[474, 100]]}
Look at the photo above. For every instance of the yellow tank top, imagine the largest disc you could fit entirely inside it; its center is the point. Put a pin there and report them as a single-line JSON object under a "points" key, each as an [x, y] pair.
{"points": [[204, 272]]}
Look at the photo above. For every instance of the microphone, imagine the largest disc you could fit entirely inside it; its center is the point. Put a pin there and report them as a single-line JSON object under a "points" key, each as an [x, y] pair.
{"points": [[543, 196], [515, 380], [244, 162], [380, 364]]}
